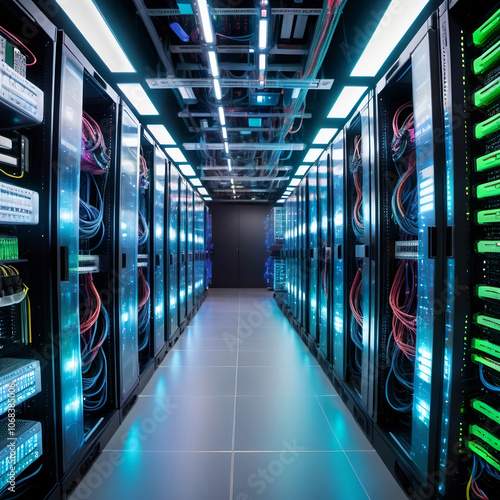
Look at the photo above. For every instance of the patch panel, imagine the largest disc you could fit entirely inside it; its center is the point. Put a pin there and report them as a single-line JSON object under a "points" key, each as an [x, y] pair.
{"points": [[486, 61], [483, 453], [482, 34], [485, 409], [488, 126], [484, 345], [486, 436], [488, 161], [18, 205], [488, 247], [488, 292], [487, 95]]}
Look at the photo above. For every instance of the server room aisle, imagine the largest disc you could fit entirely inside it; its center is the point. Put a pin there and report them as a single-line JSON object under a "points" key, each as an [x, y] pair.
{"points": [[239, 410]]}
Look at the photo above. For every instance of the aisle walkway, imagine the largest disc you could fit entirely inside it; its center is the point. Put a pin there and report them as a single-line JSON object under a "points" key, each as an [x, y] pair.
{"points": [[239, 410]]}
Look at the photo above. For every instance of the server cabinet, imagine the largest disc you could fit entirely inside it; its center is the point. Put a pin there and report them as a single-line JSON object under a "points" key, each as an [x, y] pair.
{"points": [[145, 266], [86, 114], [190, 249], [314, 272], [158, 244], [199, 245], [469, 416], [182, 251], [324, 220], [126, 248], [303, 278], [360, 344], [294, 254], [173, 249], [208, 247], [409, 274], [27, 337]]}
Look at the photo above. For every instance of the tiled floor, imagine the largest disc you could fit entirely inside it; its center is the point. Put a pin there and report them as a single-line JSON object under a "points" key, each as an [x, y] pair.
{"points": [[239, 410]]}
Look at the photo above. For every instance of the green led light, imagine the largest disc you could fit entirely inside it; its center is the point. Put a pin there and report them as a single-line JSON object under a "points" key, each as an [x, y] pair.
{"points": [[487, 29], [488, 94], [486, 455], [485, 346], [488, 246], [488, 292], [488, 216], [488, 189], [486, 436], [486, 410], [486, 162], [487, 127], [485, 62]]}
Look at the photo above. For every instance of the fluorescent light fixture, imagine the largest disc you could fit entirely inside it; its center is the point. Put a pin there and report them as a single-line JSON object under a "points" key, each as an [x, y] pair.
{"points": [[347, 99], [295, 93], [222, 118], [232, 182], [263, 34], [229, 164], [94, 28], [295, 181], [262, 62], [302, 170], [196, 182], [214, 65], [226, 147], [161, 134], [224, 133], [396, 21], [325, 135], [312, 155], [288, 189], [176, 155], [187, 94], [206, 22], [187, 170], [207, 198], [138, 97], [203, 191], [217, 89]]}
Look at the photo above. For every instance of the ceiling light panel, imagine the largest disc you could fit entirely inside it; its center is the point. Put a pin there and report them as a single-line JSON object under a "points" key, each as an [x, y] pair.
{"points": [[138, 98], [262, 62], [196, 182], [217, 89], [312, 155], [302, 170], [206, 22], [347, 99], [89, 21], [187, 170], [394, 24], [325, 135], [176, 155], [222, 118], [295, 182], [161, 134], [224, 133], [214, 65], [203, 191], [263, 34]]}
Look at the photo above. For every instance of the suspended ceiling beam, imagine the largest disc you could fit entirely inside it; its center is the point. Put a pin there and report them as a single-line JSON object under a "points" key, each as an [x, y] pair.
{"points": [[236, 12], [244, 190], [224, 167], [245, 146], [236, 178], [238, 49], [230, 66], [281, 83], [148, 23], [238, 114]]}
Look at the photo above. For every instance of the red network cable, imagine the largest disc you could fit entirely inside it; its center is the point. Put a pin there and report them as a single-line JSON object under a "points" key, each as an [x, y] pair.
{"points": [[355, 298], [402, 300], [144, 290], [89, 316], [21, 44]]}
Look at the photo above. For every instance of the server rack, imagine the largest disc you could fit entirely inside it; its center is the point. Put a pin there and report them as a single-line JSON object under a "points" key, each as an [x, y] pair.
{"points": [[173, 249], [325, 228], [27, 341], [158, 250], [85, 149], [314, 272], [182, 252], [208, 247], [145, 259], [359, 263], [468, 457], [302, 239], [199, 239], [190, 250], [410, 255]]}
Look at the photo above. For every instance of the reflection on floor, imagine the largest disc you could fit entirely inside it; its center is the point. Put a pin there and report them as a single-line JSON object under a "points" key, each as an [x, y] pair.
{"points": [[239, 410]]}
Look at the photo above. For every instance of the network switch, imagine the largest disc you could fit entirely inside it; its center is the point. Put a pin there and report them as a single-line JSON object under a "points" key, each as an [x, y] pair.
{"points": [[20, 379], [487, 60], [487, 410], [18, 205], [20, 446], [486, 30], [488, 161]]}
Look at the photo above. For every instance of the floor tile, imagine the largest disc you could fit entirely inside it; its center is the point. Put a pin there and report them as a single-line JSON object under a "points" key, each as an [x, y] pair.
{"points": [[374, 476], [292, 475], [186, 423], [157, 475], [279, 381], [344, 426], [192, 357], [228, 342], [251, 344], [276, 358], [219, 320], [199, 381], [264, 423], [209, 332]]}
